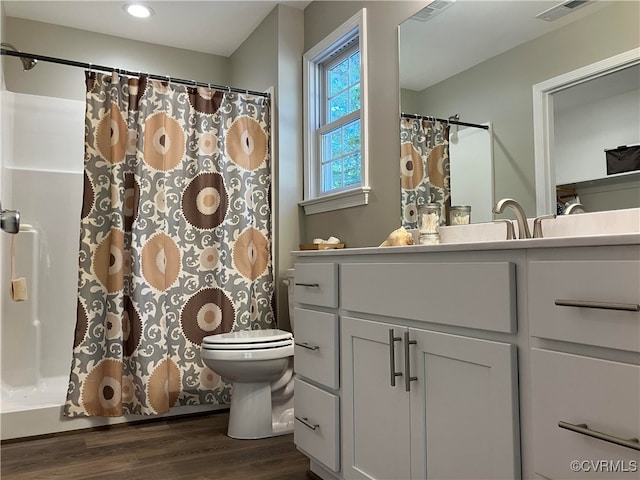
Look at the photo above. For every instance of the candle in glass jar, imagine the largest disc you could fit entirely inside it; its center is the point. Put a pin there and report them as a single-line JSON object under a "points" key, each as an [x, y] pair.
{"points": [[460, 215]]}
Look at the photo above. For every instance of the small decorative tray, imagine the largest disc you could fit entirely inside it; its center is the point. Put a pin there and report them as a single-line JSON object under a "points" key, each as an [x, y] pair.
{"points": [[321, 246]]}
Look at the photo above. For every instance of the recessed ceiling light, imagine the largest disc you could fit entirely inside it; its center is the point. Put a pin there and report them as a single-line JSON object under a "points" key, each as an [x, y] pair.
{"points": [[138, 10]]}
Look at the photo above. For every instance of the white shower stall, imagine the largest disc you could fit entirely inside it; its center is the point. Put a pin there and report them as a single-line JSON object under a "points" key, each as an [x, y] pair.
{"points": [[41, 172]]}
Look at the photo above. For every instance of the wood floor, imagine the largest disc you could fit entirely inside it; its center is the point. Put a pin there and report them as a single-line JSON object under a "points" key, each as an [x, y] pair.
{"points": [[193, 448]]}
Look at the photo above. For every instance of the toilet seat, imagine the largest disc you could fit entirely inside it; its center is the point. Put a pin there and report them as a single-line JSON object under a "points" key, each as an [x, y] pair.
{"points": [[248, 340], [248, 345]]}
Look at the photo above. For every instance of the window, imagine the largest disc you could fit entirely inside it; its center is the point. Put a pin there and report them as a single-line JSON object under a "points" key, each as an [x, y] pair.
{"points": [[336, 173]]}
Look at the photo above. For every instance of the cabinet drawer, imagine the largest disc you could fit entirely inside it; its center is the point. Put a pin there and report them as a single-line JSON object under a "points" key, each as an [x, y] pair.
{"points": [[317, 347], [607, 282], [316, 284], [602, 394], [316, 430], [474, 295]]}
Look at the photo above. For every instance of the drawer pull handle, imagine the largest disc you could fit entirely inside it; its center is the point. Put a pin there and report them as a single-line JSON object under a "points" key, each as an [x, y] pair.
{"points": [[583, 429], [407, 362], [626, 307], [305, 422], [307, 346], [392, 357], [312, 285]]}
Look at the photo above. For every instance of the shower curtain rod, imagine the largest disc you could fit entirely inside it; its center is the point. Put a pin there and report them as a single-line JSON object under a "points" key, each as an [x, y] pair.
{"points": [[453, 122], [91, 66]]}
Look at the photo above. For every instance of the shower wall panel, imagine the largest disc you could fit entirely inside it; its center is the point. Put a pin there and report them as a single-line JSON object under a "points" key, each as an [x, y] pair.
{"points": [[42, 159]]}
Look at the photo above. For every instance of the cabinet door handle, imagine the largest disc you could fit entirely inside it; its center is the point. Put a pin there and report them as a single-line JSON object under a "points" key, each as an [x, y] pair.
{"points": [[626, 307], [583, 429], [407, 363], [305, 422], [312, 285], [392, 357], [307, 346]]}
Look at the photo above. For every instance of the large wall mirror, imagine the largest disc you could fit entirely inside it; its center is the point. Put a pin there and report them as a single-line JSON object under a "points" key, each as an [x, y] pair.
{"points": [[477, 61]]}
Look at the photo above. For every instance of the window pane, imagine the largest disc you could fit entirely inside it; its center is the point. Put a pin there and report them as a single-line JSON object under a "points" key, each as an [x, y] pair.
{"points": [[332, 176], [338, 78], [352, 169], [352, 137], [337, 174], [354, 98], [338, 106], [331, 145], [354, 68]]}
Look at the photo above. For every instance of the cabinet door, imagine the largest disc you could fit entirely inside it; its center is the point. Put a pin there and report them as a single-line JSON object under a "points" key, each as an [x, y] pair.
{"points": [[375, 414], [464, 408]]}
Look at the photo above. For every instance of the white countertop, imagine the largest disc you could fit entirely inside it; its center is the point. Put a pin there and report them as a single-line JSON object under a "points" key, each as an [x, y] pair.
{"points": [[583, 230], [583, 241]]}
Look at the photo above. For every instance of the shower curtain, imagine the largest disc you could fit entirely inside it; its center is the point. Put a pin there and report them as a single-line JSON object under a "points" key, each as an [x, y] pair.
{"points": [[175, 241], [424, 168]]}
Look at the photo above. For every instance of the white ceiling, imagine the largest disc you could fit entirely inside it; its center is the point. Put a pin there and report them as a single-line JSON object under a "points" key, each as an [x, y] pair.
{"points": [[467, 33], [215, 27], [471, 31]]}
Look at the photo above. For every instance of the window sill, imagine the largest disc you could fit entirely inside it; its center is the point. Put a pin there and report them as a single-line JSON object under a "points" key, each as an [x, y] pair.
{"points": [[351, 198]]}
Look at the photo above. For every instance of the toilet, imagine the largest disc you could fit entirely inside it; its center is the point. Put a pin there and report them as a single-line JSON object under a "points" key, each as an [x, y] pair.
{"points": [[259, 364]]}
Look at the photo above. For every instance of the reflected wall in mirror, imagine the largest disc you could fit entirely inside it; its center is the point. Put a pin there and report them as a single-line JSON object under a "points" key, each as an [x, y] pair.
{"points": [[587, 137], [480, 59]]}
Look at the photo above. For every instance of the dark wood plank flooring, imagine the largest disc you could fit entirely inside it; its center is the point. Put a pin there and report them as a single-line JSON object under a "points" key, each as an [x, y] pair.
{"points": [[189, 448]]}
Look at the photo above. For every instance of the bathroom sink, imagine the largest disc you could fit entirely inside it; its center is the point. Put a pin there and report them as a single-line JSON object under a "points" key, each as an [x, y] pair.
{"points": [[475, 232], [614, 222]]}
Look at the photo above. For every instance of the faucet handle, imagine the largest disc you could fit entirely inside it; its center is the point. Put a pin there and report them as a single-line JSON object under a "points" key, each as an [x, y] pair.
{"points": [[511, 232], [537, 225]]}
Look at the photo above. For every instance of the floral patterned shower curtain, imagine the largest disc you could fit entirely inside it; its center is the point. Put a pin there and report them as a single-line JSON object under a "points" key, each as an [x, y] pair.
{"points": [[175, 241], [424, 167]]}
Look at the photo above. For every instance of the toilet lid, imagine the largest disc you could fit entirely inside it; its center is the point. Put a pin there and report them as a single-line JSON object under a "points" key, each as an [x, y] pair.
{"points": [[248, 340]]}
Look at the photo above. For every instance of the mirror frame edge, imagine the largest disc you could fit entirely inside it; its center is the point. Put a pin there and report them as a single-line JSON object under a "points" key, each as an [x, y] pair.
{"points": [[543, 120]]}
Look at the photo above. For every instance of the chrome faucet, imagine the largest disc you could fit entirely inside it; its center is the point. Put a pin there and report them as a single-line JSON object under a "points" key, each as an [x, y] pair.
{"points": [[523, 226]]}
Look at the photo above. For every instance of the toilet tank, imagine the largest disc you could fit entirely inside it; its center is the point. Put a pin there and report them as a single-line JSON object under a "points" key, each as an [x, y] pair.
{"points": [[290, 286]]}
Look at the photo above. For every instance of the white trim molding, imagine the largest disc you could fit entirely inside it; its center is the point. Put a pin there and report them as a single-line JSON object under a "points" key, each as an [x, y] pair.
{"points": [[545, 173], [313, 201], [348, 198]]}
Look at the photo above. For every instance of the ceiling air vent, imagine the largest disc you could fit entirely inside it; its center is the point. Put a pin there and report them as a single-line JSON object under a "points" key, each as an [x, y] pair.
{"points": [[561, 10], [433, 9]]}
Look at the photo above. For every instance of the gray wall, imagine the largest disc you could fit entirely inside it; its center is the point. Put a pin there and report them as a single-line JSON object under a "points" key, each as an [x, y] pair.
{"points": [[500, 89], [61, 81], [370, 224]]}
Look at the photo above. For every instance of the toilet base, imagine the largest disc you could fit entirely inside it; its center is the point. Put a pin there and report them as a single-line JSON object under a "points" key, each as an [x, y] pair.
{"points": [[251, 415]]}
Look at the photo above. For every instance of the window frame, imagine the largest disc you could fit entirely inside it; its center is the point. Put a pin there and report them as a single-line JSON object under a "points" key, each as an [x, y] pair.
{"points": [[314, 62]]}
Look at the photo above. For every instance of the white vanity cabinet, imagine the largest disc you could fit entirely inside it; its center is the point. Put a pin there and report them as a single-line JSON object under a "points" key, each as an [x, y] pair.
{"points": [[419, 403], [507, 359], [450, 410], [585, 326], [316, 363]]}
